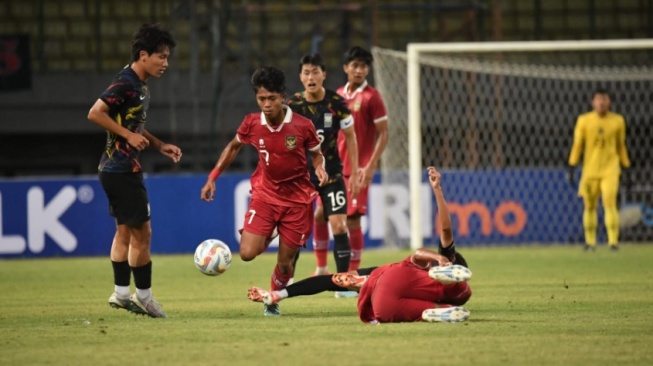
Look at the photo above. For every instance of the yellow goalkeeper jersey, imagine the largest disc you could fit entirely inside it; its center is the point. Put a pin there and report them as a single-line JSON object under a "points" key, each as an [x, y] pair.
{"points": [[602, 142]]}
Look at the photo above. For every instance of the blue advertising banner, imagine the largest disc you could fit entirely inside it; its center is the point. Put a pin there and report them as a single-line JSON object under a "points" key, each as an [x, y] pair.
{"points": [[69, 216]]}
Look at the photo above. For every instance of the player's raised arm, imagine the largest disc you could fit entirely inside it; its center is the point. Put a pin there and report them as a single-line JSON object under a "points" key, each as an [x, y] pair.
{"points": [[226, 158], [446, 229]]}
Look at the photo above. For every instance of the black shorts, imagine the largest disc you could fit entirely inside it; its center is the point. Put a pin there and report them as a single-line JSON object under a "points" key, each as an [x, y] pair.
{"points": [[127, 196], [334, 198]]}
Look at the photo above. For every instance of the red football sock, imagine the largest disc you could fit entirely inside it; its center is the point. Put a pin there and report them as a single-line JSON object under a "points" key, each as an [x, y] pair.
{"points": [[279, 280], [356, 243], [321, 243]]}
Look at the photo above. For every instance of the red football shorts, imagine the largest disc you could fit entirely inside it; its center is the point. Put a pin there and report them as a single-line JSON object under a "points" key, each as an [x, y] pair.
{"points": [[295, 223], [356, 206]]}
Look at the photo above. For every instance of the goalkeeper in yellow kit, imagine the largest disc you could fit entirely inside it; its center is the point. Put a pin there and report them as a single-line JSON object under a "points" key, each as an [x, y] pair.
{"points": [[600, 137]]}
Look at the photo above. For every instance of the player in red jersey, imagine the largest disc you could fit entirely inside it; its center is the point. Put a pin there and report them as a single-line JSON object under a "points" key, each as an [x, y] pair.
{"points": [[409, 290], [406, 291], [282, 193], [371, 125]]}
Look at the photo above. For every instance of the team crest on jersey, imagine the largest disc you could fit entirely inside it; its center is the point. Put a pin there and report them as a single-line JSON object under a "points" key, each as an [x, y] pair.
{"points": [[328, 120], [291, 142], [357, 104]]}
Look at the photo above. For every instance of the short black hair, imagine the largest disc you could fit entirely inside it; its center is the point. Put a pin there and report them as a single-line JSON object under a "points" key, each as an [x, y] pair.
{"points": [[151, 38], [601, 90], [312, 59], [358, 53], [271, 78]]}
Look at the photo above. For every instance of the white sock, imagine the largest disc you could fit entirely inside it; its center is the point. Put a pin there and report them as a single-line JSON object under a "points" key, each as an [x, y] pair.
{"points": [[321, 270], [121, 291], [282, 293], [144, 294], [290, 281]]}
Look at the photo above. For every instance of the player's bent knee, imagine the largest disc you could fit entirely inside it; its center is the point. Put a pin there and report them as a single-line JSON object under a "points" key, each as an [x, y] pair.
{"points": [[457, 294], [339, 227], [354, 222], [248, 254]]}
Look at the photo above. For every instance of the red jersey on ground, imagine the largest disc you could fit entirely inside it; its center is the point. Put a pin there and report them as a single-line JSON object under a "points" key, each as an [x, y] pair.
{"points": [[393, 283], [281, 176], [367, 108]]}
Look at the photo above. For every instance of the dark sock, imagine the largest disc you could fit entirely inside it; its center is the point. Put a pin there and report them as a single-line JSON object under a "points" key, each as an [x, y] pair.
{"points": [[312, 285], [143, 276], [365, 271], [341, 252], [448, 252], [460, 260], [454, 257], [121, 273]]}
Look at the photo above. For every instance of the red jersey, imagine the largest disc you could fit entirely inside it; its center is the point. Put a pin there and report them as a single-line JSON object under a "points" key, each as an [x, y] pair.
{"points": [[414, 281], [281, 176], [368, 109]]}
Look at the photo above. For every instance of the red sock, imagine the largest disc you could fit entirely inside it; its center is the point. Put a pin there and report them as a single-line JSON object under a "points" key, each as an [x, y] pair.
{"points": [[321, 243], [356, 243], [279, 280]]}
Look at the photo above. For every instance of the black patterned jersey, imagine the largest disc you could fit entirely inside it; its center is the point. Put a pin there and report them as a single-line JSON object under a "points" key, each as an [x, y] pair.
{"points": [[128, 99], [329, 116]]}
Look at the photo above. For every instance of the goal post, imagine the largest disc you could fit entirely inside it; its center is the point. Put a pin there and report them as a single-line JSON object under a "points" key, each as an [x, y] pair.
{"points": [[447, 85]]}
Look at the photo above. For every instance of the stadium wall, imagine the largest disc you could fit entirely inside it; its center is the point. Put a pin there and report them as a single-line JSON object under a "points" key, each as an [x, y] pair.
{"points": [[63, 217]]}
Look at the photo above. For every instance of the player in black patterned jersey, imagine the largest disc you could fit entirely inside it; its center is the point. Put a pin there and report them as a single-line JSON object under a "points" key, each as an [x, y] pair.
{"points": [[329, 113], [127, 99], [121, 111]]}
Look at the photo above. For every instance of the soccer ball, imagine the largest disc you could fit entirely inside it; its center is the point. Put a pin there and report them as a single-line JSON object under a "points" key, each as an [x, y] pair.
{"points": [[212, 257]]}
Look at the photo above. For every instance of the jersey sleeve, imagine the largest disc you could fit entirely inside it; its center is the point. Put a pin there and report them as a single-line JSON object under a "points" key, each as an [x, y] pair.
{"points": [[343, 113], [621, 145], [116, 94], [377, 108], [312, 142], [579, 141], [294, 103], [244, 133]]}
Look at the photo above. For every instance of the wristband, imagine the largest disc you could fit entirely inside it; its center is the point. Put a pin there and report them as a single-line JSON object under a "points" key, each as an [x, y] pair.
{"points": [[215, 173]]}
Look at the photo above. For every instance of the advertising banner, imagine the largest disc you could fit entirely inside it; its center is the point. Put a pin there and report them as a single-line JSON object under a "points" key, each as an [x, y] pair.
{"points": [[69, 216]]}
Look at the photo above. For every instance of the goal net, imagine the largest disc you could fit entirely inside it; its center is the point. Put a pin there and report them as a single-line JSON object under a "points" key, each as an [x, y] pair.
{"points": [[497, 118]]}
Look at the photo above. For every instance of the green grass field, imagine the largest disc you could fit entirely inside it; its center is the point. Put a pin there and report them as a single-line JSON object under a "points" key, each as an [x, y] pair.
{"points": [[531, 306]]}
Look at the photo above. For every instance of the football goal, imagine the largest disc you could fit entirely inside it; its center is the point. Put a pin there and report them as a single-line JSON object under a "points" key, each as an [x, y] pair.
{"points": [[498, 119]]}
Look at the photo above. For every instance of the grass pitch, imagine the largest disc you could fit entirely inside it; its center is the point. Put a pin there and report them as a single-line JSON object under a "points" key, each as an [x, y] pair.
{"points": [[531, 306]]}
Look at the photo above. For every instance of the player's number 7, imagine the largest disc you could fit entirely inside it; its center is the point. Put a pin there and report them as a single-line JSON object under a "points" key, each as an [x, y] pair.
{"points": [[266, 154]]}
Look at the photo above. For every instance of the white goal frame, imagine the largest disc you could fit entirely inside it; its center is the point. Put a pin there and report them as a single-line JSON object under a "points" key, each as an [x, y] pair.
{"points": [[415, 52]]}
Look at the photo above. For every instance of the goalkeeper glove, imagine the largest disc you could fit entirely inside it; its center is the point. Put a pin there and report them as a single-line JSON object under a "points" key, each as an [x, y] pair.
{"points": [[571, 176]]}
